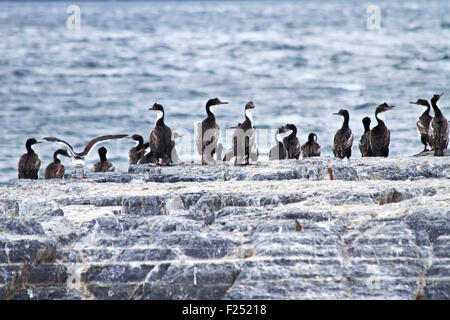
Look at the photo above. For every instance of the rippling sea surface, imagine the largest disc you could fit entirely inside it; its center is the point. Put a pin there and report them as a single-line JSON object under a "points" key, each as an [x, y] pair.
{"points": [[298, 61]]}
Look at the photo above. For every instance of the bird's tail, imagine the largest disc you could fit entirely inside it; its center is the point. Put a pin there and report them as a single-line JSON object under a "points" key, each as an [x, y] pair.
{"points": [[438, 152]]}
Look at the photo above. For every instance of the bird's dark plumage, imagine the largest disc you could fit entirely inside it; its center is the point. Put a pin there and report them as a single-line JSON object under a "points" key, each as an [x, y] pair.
{"points": [[311, 148], [364, 145], [55, 170], [380, 135], [103, 165], [343, 139], [423, 123], [29, 163], [161, 142], [278, 152], [244, 146], [438, 130], [135, 153], [291, 142], [207, 132]]}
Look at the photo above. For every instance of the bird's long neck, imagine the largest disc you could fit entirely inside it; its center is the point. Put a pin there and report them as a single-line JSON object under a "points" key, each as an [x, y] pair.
{"points": [[248, 116], [159, 118], [102, 157], [55, 157], [437, 111], [366, 126], [380, 121], [140, 143], [346, 119], [209, 111], [427, 110], [293, 133], [28, 146]]}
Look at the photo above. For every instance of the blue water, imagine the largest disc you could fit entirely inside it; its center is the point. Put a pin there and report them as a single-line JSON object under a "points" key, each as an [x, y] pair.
{"points": [[298, 61]]}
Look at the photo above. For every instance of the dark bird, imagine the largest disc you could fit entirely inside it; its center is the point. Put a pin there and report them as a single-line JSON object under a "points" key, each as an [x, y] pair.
{"points": [[364, 145], [423, 123], [343, 139], [103, 165], [438, 130], [207, 132], [29, 163], [278, 152], [146, 155], [135, 153], [161, 143], [55, 170], [78, 158], [311, 148], [291, 142], [379, 136], [244, 146]]}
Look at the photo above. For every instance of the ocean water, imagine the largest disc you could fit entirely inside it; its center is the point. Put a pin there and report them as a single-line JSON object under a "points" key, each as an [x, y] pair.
{"points": [[298, 61]]}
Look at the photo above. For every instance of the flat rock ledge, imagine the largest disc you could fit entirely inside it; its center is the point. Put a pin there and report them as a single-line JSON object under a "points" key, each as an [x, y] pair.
{"points": [[379, 229]]}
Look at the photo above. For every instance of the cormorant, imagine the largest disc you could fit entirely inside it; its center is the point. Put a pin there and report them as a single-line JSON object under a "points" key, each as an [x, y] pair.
{"points": [[244, 146], [278, 152], [379, 136], [311, 148], [343, 139], [291, 142], [161, 143], [78, 158], [29, 163], [207, 132], [438, 130], [364, 145], [135, 153], [103, 165], [423, 123], [55, 170]]}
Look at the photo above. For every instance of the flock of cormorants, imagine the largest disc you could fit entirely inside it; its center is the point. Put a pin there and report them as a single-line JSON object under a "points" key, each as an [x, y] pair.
{"points": [[160, 149]]}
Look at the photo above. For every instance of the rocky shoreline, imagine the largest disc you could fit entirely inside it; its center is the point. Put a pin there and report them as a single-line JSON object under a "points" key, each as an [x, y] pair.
{"points": [[276, 230]]}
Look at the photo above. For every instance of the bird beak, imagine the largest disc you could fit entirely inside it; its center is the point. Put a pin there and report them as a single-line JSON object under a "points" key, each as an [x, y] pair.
{"points": [[39, 142], [336, 114], [223, 102], [413, 102], [390, 107], [441, 94]]}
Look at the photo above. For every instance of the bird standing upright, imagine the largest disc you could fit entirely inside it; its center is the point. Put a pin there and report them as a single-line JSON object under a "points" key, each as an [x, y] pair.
{"points": [[423, 123], [343, 139], [29, 163], [438, 130], [380, 135]]}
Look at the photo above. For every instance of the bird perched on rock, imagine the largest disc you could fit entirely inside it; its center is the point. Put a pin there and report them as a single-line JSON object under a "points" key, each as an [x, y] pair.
{"points": [[380, 135], [343, 139], [244, 146], [423, 123], [291, 142], [207, 132], [364, 145], [103, 165], [29, 163], [311, 148], [135, 153], [278, 152], [161, 143], [55, 170], [438, 130]]}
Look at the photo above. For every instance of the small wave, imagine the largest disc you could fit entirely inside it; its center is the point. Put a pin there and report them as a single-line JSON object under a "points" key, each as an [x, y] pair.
{"points": [[288, 47], [364, 106], [20, 73], [445, 25]]}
